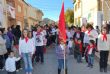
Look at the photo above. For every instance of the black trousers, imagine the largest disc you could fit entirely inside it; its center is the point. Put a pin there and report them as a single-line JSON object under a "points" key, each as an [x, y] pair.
{"points": [[1, 61], [103, 59], [11, 72], [9, 49], [33, 58], [39, 53], [18, 64], [53, 38]]}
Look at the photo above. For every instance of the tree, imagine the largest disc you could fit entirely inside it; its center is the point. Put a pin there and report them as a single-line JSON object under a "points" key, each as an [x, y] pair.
{"points": [[69, 17]]}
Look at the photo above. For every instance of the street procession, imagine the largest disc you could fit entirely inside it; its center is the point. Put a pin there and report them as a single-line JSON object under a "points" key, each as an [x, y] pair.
{"points": [[54, 36]]}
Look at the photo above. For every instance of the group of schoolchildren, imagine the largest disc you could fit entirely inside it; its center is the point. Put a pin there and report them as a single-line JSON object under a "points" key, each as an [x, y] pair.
{"points": [[80, 42], [83, 45], [29, 46]]}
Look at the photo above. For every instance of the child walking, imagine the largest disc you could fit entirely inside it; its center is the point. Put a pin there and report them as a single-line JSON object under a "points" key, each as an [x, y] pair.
{"points": [[71, 46], [61, 51], [10, 64], [15, 49], [90, 53], [78, 50]]}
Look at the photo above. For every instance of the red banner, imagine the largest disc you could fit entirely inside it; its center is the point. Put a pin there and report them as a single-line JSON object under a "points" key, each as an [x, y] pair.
{"points": [[61, 25]]}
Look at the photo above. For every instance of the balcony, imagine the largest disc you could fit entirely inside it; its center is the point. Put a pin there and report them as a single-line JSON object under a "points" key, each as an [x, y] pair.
{"points": [[11, 2], [10, 11]]}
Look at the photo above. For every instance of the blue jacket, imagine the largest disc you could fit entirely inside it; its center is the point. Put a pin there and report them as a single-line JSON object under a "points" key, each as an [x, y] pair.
{"points": [[8, 42]]}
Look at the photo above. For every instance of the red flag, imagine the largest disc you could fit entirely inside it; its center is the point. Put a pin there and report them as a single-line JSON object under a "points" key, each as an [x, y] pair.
{"points": [[61, 25]]}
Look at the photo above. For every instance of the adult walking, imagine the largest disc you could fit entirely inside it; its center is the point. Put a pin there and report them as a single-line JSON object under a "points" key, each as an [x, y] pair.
{"points": [[90, 34], [3, 50], [103, 47], [26, 50]]}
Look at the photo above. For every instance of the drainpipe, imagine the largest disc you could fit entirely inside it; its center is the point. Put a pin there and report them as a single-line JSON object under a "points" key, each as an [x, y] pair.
{"points": [[102, 10]]}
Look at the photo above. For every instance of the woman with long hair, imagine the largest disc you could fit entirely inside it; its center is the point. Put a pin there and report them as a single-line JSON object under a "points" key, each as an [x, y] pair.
{"points": [[26, 50]]}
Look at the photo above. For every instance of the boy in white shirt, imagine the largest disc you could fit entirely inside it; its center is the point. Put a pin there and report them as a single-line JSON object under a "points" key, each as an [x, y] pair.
{"points": [[71, 46], [10, 64]]}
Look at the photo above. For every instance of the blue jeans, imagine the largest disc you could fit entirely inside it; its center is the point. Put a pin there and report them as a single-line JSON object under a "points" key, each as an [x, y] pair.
{"points": [[27, 61], [90, 59], [79, 58], [61, 64]]}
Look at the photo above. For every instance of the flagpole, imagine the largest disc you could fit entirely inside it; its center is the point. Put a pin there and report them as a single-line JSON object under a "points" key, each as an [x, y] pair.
{"points": [[65, 60]]}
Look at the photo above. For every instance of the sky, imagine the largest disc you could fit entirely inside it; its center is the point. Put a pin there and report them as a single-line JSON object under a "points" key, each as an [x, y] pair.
{"points": [[50, 8]]}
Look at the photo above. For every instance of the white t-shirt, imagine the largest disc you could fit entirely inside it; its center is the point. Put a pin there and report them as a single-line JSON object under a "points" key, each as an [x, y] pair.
{"points": [[53, 31], [10, 64], [72, 32], [90, 52], [69, 35], [103, 45], [44, 31], [92, 33], [62, 46], [38, 38], [28, 47], [70, 44]]}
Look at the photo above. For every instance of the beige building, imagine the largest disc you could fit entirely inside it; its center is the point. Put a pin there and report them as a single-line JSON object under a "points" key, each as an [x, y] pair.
{"points": [[18, 12], [106, 10], [3, 14], [39, 15], [31, 15], [26, 5], [94, 11], [77, 12], [34, 15]]}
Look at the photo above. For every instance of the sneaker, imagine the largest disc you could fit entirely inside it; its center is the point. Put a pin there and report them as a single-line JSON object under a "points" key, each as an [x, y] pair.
{"points": [[20, 68], [17, 70], [2, 69], [105, 70], [101, 70], [91, 66], [88, 65]]}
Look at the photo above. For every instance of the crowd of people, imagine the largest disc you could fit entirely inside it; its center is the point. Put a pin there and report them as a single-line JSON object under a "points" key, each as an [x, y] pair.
{"points": [[83, 42], [30, 46]]}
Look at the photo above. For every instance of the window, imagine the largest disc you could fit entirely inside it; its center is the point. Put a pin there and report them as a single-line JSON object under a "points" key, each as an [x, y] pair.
{"points": [[19, 23], [19, 8], [19, 0], [78, 4]]}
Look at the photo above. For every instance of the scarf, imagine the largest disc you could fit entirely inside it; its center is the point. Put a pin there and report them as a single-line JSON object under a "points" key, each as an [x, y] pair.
{"points": [[80, 45], [90, 47], [26, 39], [38, 32], [104, 37], [89, 31]]}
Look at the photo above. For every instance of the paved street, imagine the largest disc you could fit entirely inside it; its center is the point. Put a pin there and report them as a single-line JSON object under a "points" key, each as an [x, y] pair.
{"points": [[50, 66]]}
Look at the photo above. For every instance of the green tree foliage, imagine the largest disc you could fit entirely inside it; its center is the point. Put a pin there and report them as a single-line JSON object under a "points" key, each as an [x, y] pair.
{"points": [[69, 17]]}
